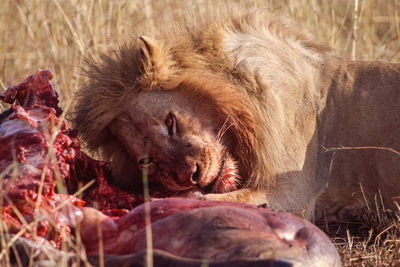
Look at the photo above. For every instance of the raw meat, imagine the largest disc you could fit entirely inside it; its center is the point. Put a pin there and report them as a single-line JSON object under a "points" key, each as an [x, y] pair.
{"points": [[216, 231], [37, 151]]}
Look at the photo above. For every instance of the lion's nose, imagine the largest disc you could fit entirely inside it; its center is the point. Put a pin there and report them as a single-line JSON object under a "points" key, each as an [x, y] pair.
{"points": [[196, 174], [189, 174]]}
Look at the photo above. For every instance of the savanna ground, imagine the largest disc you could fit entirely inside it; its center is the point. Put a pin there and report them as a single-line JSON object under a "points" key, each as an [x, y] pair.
{"points": [[57, 34]]}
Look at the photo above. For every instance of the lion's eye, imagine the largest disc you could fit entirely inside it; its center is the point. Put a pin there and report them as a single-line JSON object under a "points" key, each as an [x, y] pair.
{"points": [[145, 162], [170, 122]]}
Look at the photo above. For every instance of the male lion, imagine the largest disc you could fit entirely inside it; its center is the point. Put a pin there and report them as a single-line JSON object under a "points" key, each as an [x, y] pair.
{"points": [[243, 106]]}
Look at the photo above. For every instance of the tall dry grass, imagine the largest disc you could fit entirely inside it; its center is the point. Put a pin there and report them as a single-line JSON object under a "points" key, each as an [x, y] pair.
{"points": [[57, 34]]}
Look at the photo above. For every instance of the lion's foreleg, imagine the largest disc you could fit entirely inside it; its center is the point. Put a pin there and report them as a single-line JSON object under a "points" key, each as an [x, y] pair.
{"points": [[242, 195], [258, 197]]}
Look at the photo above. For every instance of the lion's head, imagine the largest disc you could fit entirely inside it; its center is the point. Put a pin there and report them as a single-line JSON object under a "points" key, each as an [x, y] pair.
{"points": [[182, 143], [185, 130]]}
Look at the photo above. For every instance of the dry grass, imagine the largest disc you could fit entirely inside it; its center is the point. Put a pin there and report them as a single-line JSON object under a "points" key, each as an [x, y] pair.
{"points": [[56, 34], [372, 240]]}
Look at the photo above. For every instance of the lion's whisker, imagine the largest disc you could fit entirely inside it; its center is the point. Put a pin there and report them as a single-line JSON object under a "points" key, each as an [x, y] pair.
{"points": [[219, 136], [223, 129]]}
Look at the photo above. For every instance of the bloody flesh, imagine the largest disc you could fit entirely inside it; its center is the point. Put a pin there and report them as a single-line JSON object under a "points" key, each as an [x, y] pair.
{"points": [[36, 151], [216, 231]]}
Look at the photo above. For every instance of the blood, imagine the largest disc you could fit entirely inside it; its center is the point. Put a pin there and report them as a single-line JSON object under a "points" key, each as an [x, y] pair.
{"points": [[37, 151]]}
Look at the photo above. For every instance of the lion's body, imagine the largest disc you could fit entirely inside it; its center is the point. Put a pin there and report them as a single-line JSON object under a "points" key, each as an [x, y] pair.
{"points": [[362, 114], [248, 91]]}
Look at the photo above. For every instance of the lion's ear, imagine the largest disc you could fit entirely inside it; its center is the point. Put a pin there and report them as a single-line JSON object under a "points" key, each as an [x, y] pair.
{"points": [[147, 48], [157, 62]]}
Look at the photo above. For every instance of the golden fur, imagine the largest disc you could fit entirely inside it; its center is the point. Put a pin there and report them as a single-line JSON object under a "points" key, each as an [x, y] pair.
{"points": [[252, 87]]}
